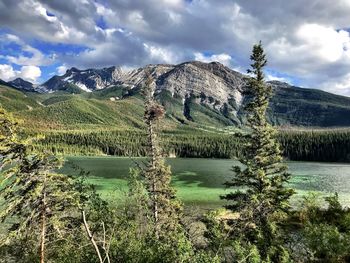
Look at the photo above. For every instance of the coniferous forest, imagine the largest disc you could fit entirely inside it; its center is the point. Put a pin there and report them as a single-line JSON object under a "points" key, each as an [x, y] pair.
{"points": [[46, 216], [297, 145]]}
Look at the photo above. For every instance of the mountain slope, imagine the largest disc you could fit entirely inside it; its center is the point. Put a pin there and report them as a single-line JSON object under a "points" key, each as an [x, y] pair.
{"points": [[14, 100], [22, 84], [87, 80], [194, 93], [308, 107], [78, 113]]}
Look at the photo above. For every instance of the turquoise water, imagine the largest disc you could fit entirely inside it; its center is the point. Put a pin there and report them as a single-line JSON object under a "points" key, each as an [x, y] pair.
{"points": [[201, 180]]}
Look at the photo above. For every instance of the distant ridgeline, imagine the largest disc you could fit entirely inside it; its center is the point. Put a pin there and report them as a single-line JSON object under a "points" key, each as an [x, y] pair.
{"points": [[100, 112], [327, 146]]}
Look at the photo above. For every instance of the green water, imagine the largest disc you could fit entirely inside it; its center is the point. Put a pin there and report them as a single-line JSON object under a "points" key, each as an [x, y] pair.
{"points": [[200, 181]]}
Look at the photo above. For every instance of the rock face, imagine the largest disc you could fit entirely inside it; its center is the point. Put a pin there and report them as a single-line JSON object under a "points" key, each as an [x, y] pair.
{"points": [[87, 80], [213, 79], [212, 84], [22, 85], [2, 82], [206, 93]]}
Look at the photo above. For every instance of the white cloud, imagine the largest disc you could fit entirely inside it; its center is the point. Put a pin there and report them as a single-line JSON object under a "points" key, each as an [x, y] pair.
{"points": [[7, 72], [159, 54], [323, 42], [314, 53], [223, 58], [339, 86], [310, 44], [33, 56], [30, 73], [61, 70], [270, 77]]}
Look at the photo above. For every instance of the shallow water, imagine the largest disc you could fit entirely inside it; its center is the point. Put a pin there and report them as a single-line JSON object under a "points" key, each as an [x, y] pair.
{"points": [[201, 180]]}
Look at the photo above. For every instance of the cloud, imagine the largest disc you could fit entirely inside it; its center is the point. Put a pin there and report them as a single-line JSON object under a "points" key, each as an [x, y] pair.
{"points": [[311, 46], [61, 70], [160, 55], [325, 43], [270, 77], [33, 56], [52, 21], [7, 72], [222, 58], [305, 41], [29, 73], [339, 86]]}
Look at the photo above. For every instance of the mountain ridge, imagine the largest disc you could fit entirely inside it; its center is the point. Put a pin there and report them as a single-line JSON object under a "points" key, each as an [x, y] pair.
{"points": [[200, 93], [23, 85]]}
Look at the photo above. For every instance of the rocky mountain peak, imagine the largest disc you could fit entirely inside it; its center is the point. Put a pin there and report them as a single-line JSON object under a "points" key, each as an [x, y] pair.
{"points": [[22, 84], [210, 83], [87, 80]]}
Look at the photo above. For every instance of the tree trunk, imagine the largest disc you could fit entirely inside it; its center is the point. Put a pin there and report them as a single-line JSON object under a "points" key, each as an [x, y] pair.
{"points": [[91, 237], [43, 226], [154, 155]]}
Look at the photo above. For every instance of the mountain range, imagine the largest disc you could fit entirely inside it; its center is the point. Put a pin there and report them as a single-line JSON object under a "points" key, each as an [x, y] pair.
{"points": [[193, 93]]}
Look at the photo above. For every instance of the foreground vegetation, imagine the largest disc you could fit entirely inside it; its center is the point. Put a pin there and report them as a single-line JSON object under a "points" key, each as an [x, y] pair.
{"points": [[49, 217]]}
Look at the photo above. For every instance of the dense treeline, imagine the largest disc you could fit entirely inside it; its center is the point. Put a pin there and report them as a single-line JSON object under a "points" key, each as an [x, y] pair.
{"points": [[132, 143], [327, 146], [331, 146]]}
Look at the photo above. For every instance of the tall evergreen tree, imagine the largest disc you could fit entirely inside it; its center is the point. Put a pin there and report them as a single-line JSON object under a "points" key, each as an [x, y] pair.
{"points": [[262, 194], [164, 206], [33, 197]]}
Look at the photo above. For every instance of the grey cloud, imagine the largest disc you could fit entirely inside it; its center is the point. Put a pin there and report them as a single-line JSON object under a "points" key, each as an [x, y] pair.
{"points": [[180, 29]]}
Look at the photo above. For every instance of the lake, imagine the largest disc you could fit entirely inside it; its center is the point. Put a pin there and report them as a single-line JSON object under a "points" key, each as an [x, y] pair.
{"points": [[200, 181]]}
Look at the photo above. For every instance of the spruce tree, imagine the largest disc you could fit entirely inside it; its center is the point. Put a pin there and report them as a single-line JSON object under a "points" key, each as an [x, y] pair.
{"points": [[163, 204], [262, 195], [33, 197]]}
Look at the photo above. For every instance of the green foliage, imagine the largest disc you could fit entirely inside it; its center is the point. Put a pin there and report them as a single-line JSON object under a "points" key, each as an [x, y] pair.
{"points": [[164, 208], [37, 204], [297, 145], [14, 100], [318, 145], [245, 253], [77, 112], [182, 143], [325, 231], [262, 198], [327, 243], [73, 114], [308, 107]]}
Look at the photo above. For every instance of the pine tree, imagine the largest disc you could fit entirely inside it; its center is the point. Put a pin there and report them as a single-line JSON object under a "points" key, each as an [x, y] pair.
{"points": [[164, 206], [262, 194], [34, 197]]}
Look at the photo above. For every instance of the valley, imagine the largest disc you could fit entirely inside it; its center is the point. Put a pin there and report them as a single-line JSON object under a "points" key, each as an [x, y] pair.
{"points": [[202, 117], [195, 94], [174, 131]]}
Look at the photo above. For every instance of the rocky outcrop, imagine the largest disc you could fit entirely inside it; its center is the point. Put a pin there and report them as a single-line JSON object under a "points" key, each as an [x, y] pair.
{"points": [[87, 80], [212, 84], [22, 85]]}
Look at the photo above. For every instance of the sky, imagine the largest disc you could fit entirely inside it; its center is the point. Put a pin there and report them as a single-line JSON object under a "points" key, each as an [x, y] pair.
{"points": [[307, 42]]}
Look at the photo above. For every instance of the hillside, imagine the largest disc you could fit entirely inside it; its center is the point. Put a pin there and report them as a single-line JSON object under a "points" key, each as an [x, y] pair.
{"points": [[309, 107], [16, 101], [195, 94]]}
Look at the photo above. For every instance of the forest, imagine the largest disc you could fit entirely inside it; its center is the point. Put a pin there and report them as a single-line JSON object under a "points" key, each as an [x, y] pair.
{"points": [[297, 145], [50, 217]]}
